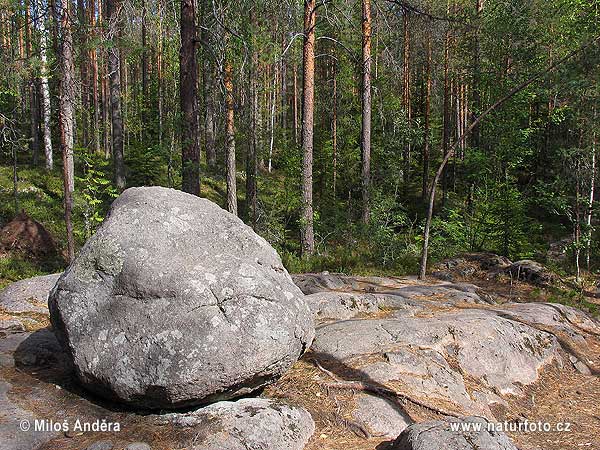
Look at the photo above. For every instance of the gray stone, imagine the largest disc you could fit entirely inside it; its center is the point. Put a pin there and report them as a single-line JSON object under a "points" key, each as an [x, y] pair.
{"points": [[252, 423], [449, 435], [138, 446], [175, 302], [502, 353], [12, 434], [568, 320], [311, 283], [11, 324], [30, 295], [380, 416], [531, 271], [341, 305], [101, 445]]}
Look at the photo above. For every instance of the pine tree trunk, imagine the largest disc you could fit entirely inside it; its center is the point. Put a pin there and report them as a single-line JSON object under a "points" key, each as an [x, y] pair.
{"points": [[208, 75], [366, 110], [407, 99], [476, 135], [112, 16], [66, 110], [446, 109], [230, 134], [251, 157], [188, 91], [427, 113], [307, 237], [334, 119]]}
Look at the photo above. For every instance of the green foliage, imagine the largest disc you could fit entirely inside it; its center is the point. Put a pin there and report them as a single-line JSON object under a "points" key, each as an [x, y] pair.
{"points": [[494, 218], [94, 192]]}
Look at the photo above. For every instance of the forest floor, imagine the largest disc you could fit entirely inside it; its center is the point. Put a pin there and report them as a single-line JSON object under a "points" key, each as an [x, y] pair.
{"points": [[40, 386]]}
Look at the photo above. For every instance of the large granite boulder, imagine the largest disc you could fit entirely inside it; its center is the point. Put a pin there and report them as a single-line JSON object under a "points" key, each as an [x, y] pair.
{"points": [[175, 302]]}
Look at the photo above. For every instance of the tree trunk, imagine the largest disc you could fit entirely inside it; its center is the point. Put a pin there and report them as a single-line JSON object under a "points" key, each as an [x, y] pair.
{"points": [[427, 113], [230, 133], [366, 110], [112, 16], [307, 237], [66, 107], [251, 157], [407, 99], [590, 205], [295, 102], [208, 75], [190, 149], [44, 88], [334, 133], [446, 108], [477, 72], [272, 124]]}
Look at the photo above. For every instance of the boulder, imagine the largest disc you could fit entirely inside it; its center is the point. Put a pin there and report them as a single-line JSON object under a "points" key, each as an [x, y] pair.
{"points": [[30, 295], [532, 272], [252, 423], [175, 302], [454, 434]]}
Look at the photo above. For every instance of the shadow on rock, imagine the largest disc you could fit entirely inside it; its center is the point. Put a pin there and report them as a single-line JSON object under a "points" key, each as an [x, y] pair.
{"points": [[346, 376], [42, 357]]}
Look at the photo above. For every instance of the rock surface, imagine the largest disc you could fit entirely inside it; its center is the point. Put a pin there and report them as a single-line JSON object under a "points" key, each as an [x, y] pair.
{"points": [[424, 340], [441, 342], [448, 435], [176, 302], [30, 295], [253, 423]]}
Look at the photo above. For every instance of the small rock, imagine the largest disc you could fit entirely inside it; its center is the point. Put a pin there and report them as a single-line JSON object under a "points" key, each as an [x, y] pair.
{"points": [[380, 416], [251, 423], [453, 434], [101, 445], [138, 446], [30, 295]]}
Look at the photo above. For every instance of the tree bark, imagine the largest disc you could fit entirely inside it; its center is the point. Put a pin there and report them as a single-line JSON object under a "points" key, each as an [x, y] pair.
{"points": [[307, 237], [446, 107], [251, 157], [407, 99], [112, 16], [208, 75], [44, 88], [230, 135], [427, 113], [477, 72], [592, 192], [334, 133], [188, 91], [66, 108], [366, 111]]}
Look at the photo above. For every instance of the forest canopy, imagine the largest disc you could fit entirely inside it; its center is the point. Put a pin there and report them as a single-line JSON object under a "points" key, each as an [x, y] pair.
{"points": [[322, 124]]}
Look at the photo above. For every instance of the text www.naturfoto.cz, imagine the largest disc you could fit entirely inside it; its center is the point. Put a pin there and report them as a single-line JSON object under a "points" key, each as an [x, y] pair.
{"points": [[520, 427]]}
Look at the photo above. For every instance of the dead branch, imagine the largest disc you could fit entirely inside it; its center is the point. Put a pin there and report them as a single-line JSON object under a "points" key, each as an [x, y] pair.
{"points": [[381, 391]]}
